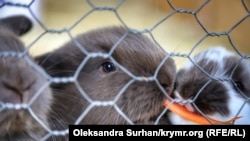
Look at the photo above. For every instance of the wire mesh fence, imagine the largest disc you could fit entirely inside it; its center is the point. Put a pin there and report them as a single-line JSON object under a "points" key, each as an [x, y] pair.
{"points": [[139, 75]]}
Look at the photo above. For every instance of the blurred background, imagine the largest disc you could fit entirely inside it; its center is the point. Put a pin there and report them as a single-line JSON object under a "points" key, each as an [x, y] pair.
{"points": [[177, 25]]}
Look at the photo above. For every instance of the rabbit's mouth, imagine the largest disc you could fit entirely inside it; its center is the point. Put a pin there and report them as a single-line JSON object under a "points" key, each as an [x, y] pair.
{"points": [[15, 121], [184, 102], [194, 116]]}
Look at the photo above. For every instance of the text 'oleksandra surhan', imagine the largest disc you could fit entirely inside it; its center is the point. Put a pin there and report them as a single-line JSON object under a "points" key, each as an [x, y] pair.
{"points": [[129, 132]]}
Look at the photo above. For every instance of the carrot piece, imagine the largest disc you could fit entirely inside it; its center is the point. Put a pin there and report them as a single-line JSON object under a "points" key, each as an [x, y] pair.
{"points": [[194, 117]]}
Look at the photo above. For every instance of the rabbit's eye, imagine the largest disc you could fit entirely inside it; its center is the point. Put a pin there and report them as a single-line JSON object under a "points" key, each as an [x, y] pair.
{"points": [[175, 85], [239, 85], [108, 67]]}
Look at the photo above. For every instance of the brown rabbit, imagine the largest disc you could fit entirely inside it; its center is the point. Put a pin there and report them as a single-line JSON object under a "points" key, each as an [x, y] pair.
{"points": [[19, 82], [102, 78]]}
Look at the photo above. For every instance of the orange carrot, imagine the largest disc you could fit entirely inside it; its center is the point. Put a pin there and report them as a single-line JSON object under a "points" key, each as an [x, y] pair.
{"points": [[194, 117]]}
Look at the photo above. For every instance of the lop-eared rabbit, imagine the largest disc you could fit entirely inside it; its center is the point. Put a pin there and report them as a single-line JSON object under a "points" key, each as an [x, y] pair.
{"points": [[100, 66]]}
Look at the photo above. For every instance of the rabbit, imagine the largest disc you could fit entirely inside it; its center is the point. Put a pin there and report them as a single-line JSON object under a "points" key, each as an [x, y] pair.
{"points": [[19, 82], [102, 78], [224, 78]]}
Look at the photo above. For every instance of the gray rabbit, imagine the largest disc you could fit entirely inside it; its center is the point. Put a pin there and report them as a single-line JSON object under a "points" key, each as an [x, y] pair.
{"points": [[19, 82], [103, 78]]}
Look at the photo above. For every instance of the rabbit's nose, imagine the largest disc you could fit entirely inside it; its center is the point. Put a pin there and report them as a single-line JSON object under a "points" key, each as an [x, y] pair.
{"points": [[17, 82], [185, 103], [17, 92]]}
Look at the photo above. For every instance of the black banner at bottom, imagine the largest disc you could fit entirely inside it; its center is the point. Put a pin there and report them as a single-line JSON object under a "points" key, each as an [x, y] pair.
{"points": [[212, 132]]}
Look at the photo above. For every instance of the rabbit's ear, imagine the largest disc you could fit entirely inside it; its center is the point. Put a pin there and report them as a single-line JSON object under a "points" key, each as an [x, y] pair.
{"points": [[19, 24]]}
